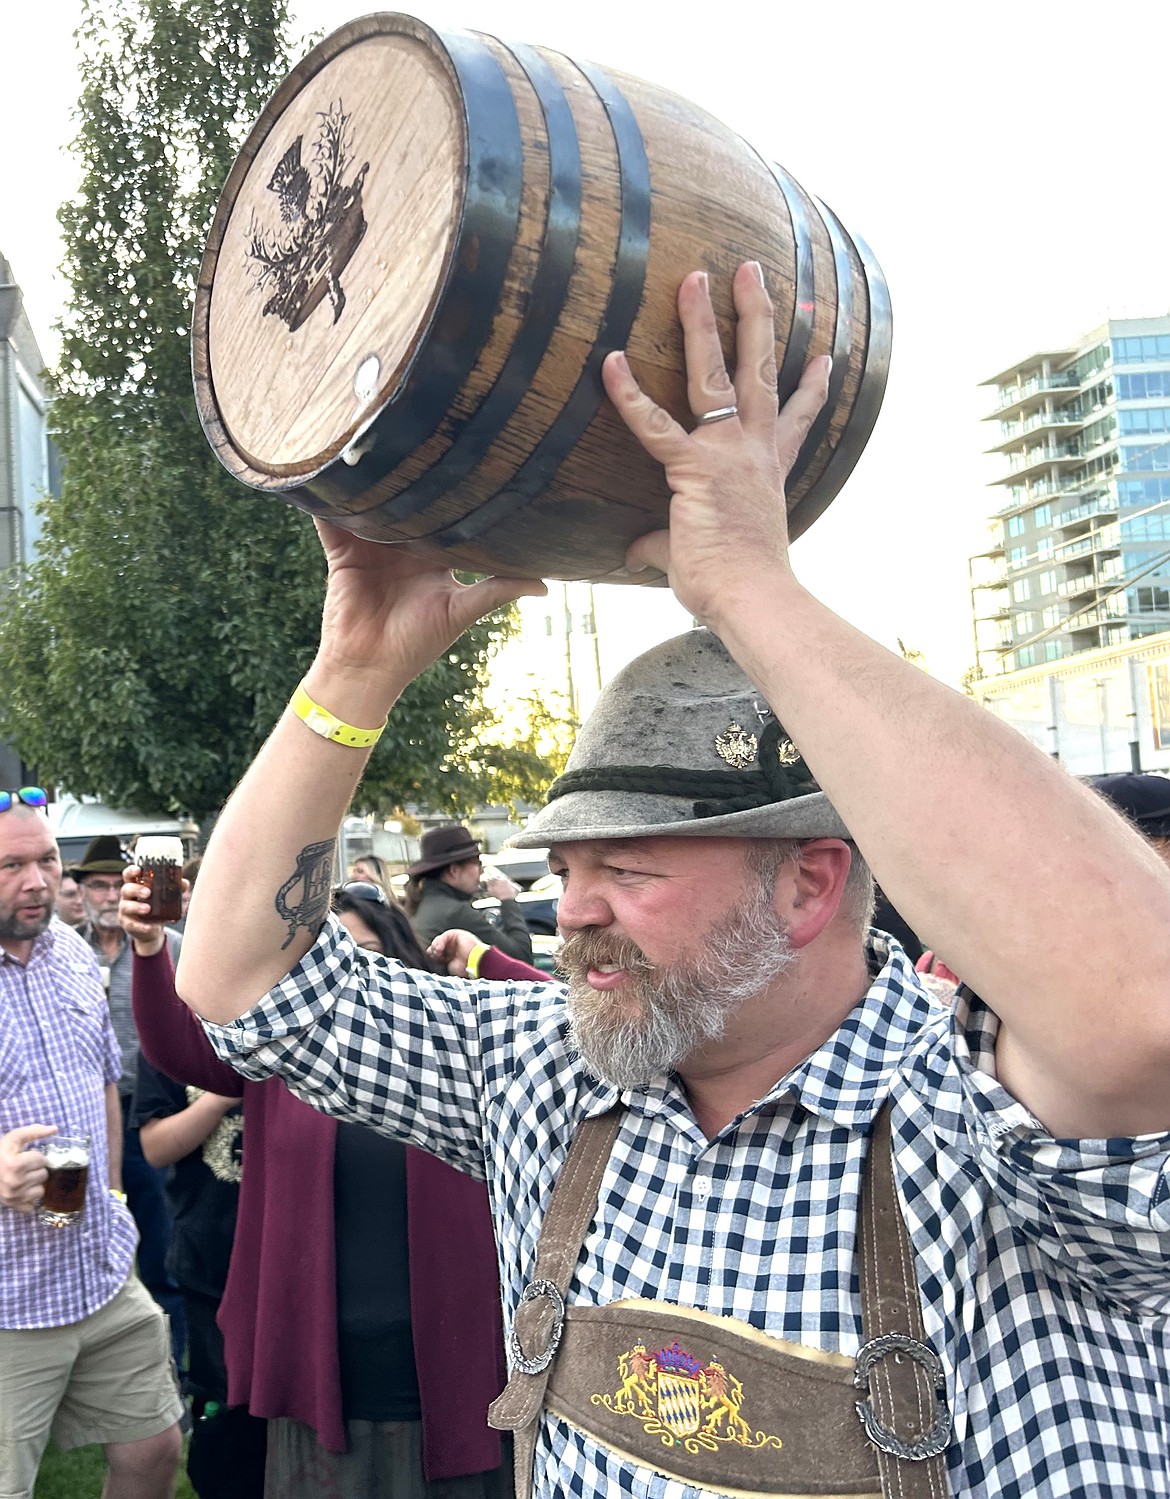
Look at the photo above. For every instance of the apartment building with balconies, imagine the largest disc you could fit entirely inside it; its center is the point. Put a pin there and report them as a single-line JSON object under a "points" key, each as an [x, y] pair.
{"points": [[1079, 558]]}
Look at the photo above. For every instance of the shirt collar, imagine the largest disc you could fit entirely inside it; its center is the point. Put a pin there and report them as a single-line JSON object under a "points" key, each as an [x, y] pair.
{"points": [[848, 1078], [89, 932], [40, 950]]}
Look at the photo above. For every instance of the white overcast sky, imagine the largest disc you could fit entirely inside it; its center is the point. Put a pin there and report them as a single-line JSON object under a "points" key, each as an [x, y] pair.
{"points": [[1007, 163]]}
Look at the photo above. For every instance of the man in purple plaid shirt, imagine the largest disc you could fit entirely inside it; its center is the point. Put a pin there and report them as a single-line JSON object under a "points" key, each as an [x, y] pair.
{"points": [[84, 1350]]}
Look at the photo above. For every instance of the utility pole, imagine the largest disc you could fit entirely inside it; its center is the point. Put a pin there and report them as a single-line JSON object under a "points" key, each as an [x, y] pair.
{"points": [[570, 687]]}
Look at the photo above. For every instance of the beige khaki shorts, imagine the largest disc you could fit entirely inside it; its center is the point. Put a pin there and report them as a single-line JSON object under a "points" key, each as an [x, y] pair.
{"points": [[107, 1378]]}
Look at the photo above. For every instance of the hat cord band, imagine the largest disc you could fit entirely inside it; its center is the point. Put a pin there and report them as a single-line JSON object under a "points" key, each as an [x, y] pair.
{"points": [[717, 792]]}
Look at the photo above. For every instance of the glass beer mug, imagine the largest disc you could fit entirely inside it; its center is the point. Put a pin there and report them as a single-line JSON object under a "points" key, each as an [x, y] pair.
{"points": [[160, 869]]}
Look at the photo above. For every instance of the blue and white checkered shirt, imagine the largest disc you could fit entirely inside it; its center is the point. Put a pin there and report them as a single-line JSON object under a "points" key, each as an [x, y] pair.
{"points": [[1044, 1265]]}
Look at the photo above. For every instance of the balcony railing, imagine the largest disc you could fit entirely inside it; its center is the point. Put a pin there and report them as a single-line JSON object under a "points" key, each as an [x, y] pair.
{"points": [[1020, 461], [1038, 419], [1104, 539], [1010, 394], [1099, 614], [1071, 587], [1101, 505]]}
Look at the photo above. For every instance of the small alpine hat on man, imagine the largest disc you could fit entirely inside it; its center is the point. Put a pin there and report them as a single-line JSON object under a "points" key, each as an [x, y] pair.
{"points": [[447, 844], [681, 744], [103, 856], [1143, 798]]}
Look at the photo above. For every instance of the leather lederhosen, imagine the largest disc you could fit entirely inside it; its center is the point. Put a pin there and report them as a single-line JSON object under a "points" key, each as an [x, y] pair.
{"points": [[714, 1402]]}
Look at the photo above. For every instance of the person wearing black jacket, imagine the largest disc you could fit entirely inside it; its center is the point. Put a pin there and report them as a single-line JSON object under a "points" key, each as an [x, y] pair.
{"points": [[449, 871]]}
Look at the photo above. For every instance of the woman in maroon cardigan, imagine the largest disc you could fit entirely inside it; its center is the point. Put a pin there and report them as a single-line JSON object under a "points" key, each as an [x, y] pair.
{"points": [[280, 1310]]}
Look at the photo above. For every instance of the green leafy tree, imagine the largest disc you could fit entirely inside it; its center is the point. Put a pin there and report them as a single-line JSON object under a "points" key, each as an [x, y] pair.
{"points": [[147, 653], [520, 762]]}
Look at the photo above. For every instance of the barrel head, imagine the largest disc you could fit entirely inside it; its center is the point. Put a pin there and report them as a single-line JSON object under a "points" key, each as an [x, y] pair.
{"points": [[331, 245]]}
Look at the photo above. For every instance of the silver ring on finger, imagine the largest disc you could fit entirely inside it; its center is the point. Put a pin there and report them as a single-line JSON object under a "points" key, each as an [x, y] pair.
{"points": [[720, 414]]}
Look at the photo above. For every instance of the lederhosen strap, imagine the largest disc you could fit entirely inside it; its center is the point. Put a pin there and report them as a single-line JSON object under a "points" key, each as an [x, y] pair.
{"points": [[905, 1414], [541, 1314], [904, 1423]]}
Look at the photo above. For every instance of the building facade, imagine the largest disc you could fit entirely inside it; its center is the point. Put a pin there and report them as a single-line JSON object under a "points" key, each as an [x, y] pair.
{"points": [[1099, 712], [28, 456], [1079, 558], [28, 461]]}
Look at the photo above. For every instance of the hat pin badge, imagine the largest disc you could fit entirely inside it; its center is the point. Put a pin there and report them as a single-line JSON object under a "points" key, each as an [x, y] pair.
{"points": [[736, 746]]}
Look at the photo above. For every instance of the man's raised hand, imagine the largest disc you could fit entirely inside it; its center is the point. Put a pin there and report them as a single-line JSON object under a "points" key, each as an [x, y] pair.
{"points": [[728, 519]]}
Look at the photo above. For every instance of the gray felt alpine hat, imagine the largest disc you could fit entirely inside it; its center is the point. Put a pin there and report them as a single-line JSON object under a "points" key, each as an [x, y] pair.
{"points": [[680, 743]]}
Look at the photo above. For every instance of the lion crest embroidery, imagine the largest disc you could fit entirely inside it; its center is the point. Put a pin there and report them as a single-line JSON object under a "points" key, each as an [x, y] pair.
{"points": [[680, 1399]]}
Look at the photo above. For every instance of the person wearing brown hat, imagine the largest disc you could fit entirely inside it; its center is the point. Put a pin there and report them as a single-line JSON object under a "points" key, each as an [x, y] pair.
{"points": [[749, 1183], [448, 872], [99, 874]]}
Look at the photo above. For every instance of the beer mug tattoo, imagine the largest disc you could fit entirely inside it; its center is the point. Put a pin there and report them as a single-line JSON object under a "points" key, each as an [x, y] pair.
{"points": [[67, 1157]]}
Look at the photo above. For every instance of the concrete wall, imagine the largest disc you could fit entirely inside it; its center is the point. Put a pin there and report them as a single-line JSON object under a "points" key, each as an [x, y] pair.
{"points": [[1091, 708]]}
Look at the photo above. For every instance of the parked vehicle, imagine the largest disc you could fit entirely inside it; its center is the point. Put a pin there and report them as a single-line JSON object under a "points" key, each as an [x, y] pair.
{"points": [[540, 912], [76, 823]]}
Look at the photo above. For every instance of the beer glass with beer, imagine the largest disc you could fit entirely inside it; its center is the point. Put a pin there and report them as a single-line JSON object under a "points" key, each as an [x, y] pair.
{"points": [[160, 869], [67, 1157]]}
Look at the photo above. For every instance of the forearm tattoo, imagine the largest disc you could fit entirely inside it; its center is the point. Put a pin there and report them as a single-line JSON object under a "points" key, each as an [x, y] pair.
{"points": [[314, 877]]}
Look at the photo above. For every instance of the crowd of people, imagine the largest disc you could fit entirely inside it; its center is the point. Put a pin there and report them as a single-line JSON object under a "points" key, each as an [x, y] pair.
{"points": [[735, 1178], [331, 1294]]}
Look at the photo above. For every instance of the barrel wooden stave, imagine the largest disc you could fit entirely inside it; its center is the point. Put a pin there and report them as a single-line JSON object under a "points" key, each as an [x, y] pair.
{"points": [[571, 343]]}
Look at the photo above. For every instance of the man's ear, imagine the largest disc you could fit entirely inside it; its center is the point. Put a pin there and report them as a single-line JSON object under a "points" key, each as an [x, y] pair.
{"points": [[809, 888]]}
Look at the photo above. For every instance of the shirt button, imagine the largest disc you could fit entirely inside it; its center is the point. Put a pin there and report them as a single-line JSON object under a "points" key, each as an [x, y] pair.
{"points": [[702, 1188]]}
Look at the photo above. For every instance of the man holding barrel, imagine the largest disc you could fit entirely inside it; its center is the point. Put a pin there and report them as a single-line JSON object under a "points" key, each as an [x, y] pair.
{"points": [[799, 1194]]}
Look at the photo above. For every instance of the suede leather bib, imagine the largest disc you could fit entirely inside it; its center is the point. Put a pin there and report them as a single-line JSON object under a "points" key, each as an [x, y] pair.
{"points": [[714, 1402]]}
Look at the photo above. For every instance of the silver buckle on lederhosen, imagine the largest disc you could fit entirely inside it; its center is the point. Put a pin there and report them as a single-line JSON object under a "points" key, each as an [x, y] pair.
{"points": [[937, 1438], [539, 1362]]}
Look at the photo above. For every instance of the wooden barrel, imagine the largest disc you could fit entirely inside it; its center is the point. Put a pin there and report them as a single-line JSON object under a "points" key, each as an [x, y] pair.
{"points": [[425, 250]]}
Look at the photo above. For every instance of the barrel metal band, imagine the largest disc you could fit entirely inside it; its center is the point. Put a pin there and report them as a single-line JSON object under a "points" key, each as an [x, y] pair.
{"points": [[466, 305], [804, 289], [842, 345], [546, 300], [868, 403], [625, 299]]}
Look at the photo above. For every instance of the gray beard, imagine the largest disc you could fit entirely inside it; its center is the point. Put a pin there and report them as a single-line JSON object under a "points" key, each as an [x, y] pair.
{"points": [[12, 930], [660, 1016]]}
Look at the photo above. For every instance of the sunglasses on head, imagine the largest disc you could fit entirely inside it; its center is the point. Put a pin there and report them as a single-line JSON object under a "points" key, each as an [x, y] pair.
{"points": [[30, 796], [363, 890]]}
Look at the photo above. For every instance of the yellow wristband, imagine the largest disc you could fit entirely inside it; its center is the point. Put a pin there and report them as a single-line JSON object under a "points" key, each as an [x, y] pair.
{"points": [[121, 1196], [322, 722], [473, 959]]}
